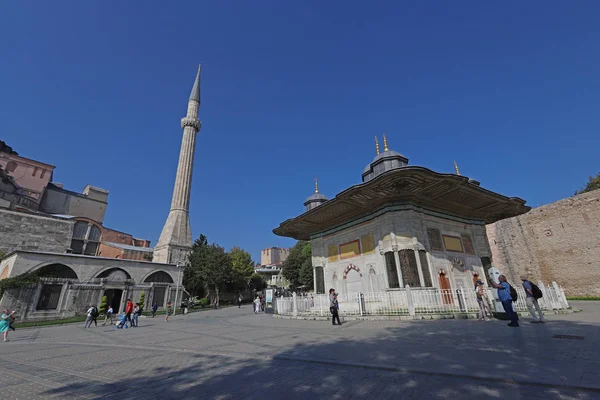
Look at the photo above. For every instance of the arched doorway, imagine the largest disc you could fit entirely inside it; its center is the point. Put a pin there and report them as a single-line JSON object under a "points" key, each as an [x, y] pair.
{"points": [[50, 293], [160, 292]]}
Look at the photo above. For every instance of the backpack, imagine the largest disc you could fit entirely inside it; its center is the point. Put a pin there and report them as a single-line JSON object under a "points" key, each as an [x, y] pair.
{"points": [[537, 293], [95, 312], [513, 293]]}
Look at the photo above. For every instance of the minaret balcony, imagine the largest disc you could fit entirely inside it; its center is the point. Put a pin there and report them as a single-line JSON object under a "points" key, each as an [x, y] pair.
{"points": [[193, 122]]}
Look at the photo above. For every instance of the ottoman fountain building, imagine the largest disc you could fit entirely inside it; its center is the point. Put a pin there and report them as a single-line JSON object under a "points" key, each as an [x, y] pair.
{"points": [[404, 225]]}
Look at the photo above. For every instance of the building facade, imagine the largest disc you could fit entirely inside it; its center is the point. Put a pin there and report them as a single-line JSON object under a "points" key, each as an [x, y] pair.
{"points": [[31, 176], [404, 225], [92, 203], [273, 255]]}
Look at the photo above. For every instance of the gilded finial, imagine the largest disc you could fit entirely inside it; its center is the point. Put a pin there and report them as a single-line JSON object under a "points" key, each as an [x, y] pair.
{"points": [[456, 168], [316, 185], [385, 147], [376, 145]]}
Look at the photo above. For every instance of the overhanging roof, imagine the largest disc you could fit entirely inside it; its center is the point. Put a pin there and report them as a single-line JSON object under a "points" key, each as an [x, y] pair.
{"points": [[450, 194]]}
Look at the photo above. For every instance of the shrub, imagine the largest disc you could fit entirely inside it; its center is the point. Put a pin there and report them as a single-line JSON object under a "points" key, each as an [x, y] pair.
{"points": [[204, 302], [103, 307], [142, 299]]}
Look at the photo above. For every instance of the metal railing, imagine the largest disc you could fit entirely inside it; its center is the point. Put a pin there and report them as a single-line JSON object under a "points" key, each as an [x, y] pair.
{"points": [[412, 301]]}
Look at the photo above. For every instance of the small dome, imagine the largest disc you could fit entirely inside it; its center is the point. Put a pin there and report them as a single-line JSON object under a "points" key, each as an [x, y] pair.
{"points": [[317, 197], [386, 161]]}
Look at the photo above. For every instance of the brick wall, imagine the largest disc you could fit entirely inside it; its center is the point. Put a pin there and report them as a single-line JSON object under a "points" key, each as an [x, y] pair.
{"points": [[556, 242], [22, 231]]}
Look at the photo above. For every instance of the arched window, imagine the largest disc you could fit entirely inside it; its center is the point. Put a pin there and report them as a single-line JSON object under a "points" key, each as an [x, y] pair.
{"points": [[159, 276], [11, 166], [86, 237], [408, 266]]}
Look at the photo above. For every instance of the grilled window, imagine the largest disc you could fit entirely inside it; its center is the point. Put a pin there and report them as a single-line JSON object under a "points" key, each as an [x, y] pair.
{"points": [[468, 244], [49, 297], [425, 268], [392, 272], [435, 239], [408, 266]]}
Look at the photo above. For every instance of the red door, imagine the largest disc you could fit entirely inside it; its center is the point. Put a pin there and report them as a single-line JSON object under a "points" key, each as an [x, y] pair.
{"points": [[447, 297]]}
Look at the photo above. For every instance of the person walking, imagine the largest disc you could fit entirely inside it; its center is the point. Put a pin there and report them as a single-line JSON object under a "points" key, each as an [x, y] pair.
{"points": [[256, 305], [533, 293], [5, 323], [128, 311], [169, 311], [89, 318], [154, 309], [239, 301], [507, 300], [108, 316], [136, 315], [334, 307], [483, 302]]}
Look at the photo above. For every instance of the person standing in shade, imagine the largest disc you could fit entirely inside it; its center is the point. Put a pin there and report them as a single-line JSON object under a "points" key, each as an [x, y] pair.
{"points": [[482, 301], [154, 309], [89, 318], [532, 301], [333, 307], [5, 323], [240, 301], [108, 316], [506, 299]]}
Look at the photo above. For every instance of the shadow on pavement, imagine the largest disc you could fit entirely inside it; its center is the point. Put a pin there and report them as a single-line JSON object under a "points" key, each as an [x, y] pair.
{"points": [[420, 359]]}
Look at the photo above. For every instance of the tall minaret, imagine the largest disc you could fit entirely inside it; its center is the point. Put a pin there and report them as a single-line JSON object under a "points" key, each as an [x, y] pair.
{"points": [[175, 241]]}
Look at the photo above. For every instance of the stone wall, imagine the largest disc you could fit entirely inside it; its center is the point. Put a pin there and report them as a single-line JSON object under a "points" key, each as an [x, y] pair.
{"points": [[23, 231], [556, 242]]}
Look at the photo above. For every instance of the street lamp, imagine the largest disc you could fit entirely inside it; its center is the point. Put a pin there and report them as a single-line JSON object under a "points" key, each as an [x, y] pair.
{"points": [[179, 267]]}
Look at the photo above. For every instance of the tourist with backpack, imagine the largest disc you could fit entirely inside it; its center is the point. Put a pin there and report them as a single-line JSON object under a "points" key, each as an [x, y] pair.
{"points": [[533, 293], [90, 317], [507, 294]]}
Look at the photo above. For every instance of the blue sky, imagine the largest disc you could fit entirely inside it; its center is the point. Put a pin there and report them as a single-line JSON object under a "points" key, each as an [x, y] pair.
{"points": [[294, 90]]}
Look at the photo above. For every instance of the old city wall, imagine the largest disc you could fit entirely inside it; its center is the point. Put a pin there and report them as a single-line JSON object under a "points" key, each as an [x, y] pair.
{"points": [[21, 231], [556, 242]]}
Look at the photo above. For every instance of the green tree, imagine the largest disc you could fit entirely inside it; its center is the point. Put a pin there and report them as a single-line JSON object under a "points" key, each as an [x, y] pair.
{"points": [[102, 308], [192, 280], [257, 282], [297, 268], [209, 265], [593, 184], [243, 267]]}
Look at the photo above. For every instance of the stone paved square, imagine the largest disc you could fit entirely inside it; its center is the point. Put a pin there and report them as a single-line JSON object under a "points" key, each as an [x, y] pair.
{"points": [[233, 354]]}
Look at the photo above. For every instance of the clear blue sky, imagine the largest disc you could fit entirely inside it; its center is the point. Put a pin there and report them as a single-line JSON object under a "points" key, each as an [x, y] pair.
{"points": [[294, 90]]}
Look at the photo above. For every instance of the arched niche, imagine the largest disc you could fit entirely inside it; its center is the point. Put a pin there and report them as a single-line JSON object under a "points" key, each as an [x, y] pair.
{"points": [[159, 277], [114, 274], [56, 270]]}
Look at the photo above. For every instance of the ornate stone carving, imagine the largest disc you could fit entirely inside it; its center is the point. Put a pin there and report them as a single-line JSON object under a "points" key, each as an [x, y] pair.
{"points": [[117, 276], [193, 122]]}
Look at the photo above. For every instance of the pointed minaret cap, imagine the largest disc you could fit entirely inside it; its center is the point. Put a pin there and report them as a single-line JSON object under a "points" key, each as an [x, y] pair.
{"points": [[195, 95], [456, 168]]}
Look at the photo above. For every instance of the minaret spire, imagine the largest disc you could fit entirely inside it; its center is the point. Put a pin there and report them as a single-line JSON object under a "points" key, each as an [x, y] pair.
{"points": [[385, 147], [175, 241], [377, 145], [316, 185], [456, 168]]}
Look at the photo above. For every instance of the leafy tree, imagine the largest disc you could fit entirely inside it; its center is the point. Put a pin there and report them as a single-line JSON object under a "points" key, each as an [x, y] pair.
{"points": [[297, 268], [209, 265], [192, 279], [102, 309], [243, 267], [593, 184], [257, 282]]}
